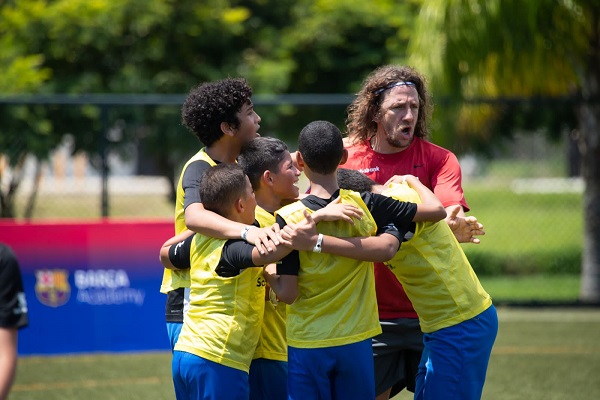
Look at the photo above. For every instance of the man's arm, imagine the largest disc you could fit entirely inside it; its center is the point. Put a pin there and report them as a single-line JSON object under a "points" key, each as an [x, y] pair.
{"points": [[464, 228]]}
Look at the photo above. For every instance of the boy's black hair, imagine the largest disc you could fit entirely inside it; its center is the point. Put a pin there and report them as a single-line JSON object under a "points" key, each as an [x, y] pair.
{"points": [[259, 155], [221, 186], [321, 146], [354, 180], [211, 103]]}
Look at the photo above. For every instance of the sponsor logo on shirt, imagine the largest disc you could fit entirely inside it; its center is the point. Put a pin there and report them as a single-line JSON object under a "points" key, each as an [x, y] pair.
{"points": [[21, 307], [368, 170]]}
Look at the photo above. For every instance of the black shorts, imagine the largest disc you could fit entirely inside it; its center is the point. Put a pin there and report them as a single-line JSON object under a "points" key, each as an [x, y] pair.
{"points": [[397, 353]]}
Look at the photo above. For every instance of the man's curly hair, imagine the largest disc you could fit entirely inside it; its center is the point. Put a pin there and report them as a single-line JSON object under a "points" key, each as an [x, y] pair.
{"points": [[362, 111], [211, 103]]}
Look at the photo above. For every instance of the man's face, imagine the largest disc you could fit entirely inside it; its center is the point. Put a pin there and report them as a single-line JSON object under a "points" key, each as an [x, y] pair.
{"points": [[250, 204], [285, 179], [249, 123], [398, 115]]}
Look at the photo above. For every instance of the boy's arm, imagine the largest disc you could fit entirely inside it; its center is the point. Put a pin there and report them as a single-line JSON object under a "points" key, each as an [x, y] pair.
{"points": [[304, 236], [208, 223], [178, 240], [285, 286], [431, 208]]}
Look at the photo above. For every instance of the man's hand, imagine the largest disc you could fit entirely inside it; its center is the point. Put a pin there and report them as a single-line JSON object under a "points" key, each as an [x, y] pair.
{"points": [[335, 211], [301, 236], [265, 239], [464, 228]]}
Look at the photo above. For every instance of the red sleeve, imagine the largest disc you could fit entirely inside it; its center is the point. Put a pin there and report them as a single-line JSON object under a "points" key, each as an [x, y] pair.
{"points": [[446, 182]]}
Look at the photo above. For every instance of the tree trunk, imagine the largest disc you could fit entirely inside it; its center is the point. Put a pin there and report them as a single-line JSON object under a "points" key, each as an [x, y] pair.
{"points": [[7, 199], [589, 123], [590, 142], [34, 191]]}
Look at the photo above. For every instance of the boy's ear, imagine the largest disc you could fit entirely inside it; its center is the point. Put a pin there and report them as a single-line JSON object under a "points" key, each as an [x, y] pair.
{"points": [[344, 157], [267, 177], [227, 129], [239, 205], [299, 160]]}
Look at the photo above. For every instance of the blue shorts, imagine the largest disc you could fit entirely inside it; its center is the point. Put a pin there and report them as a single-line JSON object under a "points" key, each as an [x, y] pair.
{"points": [[173, 330], [328, 373], [455, 359], [196, 378], [268, 379]]}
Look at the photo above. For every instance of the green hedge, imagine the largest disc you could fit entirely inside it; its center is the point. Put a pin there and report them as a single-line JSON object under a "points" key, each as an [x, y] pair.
{"points": [[543, 261]]}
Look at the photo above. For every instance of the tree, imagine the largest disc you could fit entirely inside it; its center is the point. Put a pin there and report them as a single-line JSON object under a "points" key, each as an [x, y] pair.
{"points": [[504, 48], [167, 46]]}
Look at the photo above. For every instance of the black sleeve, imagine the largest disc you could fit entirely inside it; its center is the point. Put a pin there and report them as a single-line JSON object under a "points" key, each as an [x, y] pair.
{"points": [[236, 256], [280, 221], [386, 211], [290, 264], [179, 254], [191, 181], [13, 306]]}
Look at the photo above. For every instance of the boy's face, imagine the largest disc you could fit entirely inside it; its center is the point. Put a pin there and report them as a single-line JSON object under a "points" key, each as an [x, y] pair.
{"points": [[249, 123], [249, 204], [285, 179]]}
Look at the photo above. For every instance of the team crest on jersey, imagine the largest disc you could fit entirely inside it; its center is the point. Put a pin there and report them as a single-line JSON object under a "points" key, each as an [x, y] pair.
{"points": [[52, 287]]}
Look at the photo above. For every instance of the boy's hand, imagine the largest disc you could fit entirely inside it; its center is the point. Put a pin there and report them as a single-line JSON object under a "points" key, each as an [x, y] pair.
{"points": [[464, 228], [301, 236], [265, 239], [337, 211], [401, 179]]}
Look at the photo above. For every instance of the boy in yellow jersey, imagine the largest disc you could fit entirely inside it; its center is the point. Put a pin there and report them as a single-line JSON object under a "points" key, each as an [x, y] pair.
{"points": [[268, 164], [222, 116], [212, 355], [274, 178], [455, 312], [334, 316]]}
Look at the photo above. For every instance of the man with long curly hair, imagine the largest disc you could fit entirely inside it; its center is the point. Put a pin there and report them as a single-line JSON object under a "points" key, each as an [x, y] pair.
{"points": [[387, 136], [222, 116]]}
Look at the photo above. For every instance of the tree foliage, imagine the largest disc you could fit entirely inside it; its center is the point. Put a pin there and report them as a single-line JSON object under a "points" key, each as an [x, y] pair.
{"points": [[508, 47], [169, 46]]}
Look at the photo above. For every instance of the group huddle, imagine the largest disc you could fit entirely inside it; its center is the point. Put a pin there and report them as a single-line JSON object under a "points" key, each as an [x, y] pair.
{"points": [[357, 289]]}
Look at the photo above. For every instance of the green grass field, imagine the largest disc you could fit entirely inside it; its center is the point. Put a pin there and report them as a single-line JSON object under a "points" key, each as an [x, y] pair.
{"points": [[540, 354]]}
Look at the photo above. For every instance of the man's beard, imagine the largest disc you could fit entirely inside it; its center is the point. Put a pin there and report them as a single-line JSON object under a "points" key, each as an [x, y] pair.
{"points": [[397, 143]]}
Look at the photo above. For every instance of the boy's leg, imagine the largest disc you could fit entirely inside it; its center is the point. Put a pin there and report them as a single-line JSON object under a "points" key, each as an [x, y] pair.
{"points": [[354, 377], [197, 378], [308, 373], [268, 379], [455, 359]]}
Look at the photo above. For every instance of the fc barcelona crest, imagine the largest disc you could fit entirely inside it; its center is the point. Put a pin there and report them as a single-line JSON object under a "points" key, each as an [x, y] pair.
{"points": [[52, 287]]}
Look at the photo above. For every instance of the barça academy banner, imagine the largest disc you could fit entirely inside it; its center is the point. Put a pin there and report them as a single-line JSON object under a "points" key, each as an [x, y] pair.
{"points": [[91, 286]]}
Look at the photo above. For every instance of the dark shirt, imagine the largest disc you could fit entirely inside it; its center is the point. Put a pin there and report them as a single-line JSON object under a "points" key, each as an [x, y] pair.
{"points": [[13, 306]]}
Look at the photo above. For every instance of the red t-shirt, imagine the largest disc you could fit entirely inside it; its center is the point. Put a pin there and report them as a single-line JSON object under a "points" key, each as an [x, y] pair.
{"points": [[438, 169]]}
